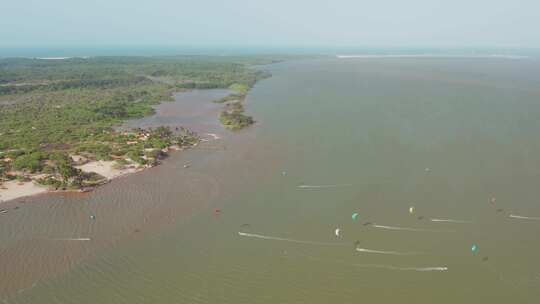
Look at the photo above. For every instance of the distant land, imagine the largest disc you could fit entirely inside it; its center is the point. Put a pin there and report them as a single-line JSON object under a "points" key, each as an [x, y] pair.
{"points": [[93, 51]]}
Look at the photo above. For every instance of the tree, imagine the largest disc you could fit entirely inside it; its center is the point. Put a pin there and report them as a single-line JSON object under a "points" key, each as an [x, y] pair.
{"points": [[30, 162], [68, 172], [162, 132]]}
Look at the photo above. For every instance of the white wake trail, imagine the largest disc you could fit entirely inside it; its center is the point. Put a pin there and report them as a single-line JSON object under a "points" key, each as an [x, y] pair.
{"points": [[406, 229], [381, 266], [520, 217], [365, 250], [274, 238], [214, 136], [450, 221], [322, 186], [439, 268], [73, 239]]}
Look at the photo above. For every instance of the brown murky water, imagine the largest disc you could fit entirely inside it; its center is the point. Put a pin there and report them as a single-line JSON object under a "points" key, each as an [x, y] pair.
{"points": [[371, 136]]}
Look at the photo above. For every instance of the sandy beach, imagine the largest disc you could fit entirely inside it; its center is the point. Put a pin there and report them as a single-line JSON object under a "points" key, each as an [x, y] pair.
{"points": [[15, 189], [107, 169], [192, 109]]}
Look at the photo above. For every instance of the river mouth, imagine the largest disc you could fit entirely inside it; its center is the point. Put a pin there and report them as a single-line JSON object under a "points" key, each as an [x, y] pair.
{"points": [[267, 214], [46, 235]]}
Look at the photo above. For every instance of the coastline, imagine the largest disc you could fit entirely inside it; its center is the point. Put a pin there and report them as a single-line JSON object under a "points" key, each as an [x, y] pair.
{"points": [[141, 195], [109, 169], [12, 190], [54, 155]]}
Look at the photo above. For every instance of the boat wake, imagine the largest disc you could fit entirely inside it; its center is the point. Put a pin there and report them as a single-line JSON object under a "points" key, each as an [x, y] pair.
{"points": [[73, 239], [450, 221], [322, 186], [274, 238], [364, 250], [406, 229], [213, 135], [520, 217], [439, 268], [381, 266]]}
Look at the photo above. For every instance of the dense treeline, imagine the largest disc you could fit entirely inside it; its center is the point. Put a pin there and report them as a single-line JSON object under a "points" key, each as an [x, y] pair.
{"points": [[71, 105], [73, 84], [58, 169], [183, 71], [48, 102]]}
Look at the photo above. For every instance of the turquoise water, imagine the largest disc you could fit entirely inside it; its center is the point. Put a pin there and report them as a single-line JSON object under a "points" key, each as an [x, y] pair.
{"points": [[455, 138]]}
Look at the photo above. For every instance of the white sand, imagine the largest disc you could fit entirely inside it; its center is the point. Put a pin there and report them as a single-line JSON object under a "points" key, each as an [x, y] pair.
{"points": [[106, 169], [15, 189], [78, 158], [53, 58], [382, 56]]}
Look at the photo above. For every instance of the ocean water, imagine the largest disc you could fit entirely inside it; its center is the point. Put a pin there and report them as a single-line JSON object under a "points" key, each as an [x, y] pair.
{"points": [[264, 215]]}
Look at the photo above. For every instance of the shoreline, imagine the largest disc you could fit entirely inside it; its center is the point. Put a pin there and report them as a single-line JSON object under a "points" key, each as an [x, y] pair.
{"points": [[28, 184], [129, 206], [31, 154], [18, 189], [14, 189], [430, 56], [231, 117]]}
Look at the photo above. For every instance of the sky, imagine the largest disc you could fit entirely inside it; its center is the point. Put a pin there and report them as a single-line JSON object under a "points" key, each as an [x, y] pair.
{"points": [[271, 23]]}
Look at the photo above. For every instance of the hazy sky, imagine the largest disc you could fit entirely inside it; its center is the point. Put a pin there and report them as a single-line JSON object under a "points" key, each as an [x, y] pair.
{"points": [[405, 23]]}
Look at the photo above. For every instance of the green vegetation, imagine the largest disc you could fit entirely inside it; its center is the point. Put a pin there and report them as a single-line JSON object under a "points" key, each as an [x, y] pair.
{"points": [[240, 88], [50, 109], [231, 97], [52, 164], [46, 103], [233, 117], [140, 146]]}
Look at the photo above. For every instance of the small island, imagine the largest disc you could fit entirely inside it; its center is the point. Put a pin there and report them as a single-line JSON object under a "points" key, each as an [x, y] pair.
{"points": [[232, 116]]}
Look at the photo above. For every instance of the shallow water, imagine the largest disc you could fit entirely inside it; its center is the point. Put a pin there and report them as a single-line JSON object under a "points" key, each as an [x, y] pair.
{"points": [[193, 109], [373, 136]]}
